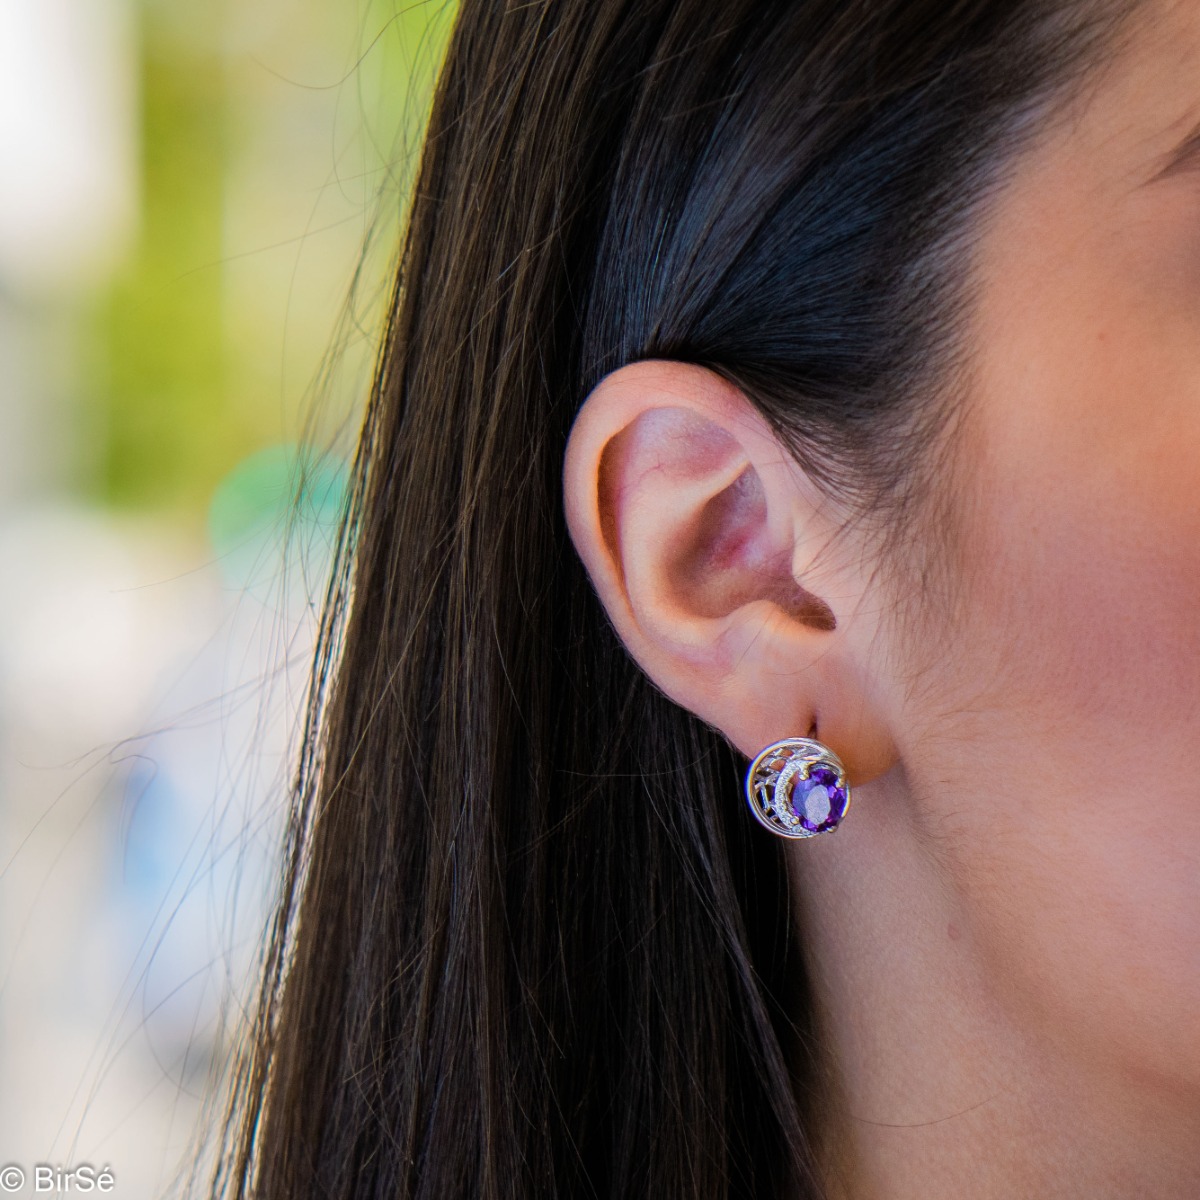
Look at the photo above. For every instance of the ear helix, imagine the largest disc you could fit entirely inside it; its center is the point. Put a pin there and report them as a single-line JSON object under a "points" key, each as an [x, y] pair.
{"points": [[797, 788]]}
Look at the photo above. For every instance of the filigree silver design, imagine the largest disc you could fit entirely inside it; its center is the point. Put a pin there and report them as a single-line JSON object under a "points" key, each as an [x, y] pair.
{"points": [[773, 776]]}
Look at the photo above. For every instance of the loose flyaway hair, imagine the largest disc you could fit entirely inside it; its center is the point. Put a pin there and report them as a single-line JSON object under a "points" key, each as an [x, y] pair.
{"points": [[528, 942]]}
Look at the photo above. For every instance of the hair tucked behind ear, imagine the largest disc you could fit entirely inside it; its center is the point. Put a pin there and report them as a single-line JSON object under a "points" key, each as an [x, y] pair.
{"points": [[529, 943]]}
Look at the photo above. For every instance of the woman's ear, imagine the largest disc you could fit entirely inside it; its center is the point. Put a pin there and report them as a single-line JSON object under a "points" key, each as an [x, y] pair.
{"points": [[715, 559]]}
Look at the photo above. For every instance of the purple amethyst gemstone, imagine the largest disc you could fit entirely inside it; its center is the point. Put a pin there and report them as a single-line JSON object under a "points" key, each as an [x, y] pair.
{"points": [[818, 801]]}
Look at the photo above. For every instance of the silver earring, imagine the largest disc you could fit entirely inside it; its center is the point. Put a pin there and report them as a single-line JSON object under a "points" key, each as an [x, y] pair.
{"points": [[797, 788]]}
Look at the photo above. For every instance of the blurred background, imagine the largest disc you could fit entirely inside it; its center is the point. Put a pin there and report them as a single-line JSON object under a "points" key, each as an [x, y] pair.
{"points": [[199, 208]]}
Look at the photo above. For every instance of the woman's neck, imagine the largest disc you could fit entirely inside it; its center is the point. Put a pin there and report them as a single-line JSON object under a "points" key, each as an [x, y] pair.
{"points": [[939, 1083]]}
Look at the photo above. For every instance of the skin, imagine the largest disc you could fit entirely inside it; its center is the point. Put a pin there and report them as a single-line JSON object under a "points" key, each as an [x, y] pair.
{"points": [[1005, 934]]}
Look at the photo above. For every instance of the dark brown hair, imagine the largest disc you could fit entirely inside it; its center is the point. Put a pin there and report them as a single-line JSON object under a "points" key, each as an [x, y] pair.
{"points": [[529, 942]]}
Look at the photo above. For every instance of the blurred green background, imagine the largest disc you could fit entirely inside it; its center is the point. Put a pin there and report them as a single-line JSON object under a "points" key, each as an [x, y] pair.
{"points": [[273, 138], [200, 204]]}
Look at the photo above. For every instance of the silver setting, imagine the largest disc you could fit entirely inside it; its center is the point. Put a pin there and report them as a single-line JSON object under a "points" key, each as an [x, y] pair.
{"points": [[774, 773]]}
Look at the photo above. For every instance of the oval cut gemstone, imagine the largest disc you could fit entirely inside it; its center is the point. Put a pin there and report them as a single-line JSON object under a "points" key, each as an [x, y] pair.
{"points": [[817, 801]]}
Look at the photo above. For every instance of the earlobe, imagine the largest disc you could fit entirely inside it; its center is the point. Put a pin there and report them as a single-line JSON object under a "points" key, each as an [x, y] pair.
{"points": [[690, 520]]}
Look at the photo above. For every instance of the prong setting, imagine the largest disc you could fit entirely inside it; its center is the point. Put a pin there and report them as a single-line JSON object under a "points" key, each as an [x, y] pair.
{"points": [[797, 788]]}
